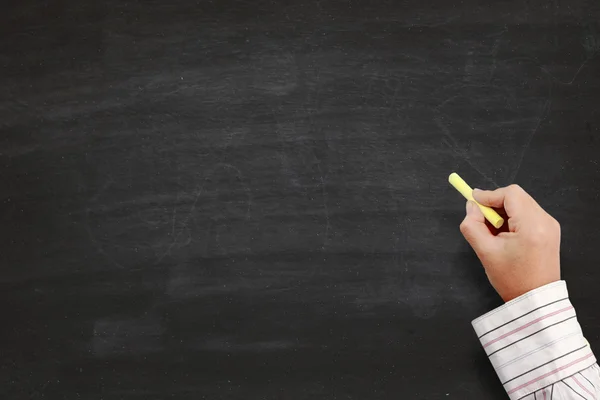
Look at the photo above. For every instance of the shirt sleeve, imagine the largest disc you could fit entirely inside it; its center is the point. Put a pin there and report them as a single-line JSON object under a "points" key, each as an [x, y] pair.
{"points": [[537, 348]]}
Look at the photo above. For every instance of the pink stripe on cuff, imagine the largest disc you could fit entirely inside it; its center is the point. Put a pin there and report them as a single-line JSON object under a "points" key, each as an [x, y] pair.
{"points": [[550, 373], [583, 387], [507, 334]]}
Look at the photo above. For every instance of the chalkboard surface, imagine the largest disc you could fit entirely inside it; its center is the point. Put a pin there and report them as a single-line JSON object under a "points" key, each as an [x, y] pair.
{"points": [[248, 199]]}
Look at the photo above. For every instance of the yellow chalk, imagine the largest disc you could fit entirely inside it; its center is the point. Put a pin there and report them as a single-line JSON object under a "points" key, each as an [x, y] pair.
{"points": [[489, 213]]}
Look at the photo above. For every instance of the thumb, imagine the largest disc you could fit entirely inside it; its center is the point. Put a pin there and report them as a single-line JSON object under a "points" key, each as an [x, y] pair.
{"points": [[475, 230]]}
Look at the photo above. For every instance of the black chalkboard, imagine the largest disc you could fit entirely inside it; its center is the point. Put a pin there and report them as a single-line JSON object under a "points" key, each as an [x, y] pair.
{"points": [[248, 199]]}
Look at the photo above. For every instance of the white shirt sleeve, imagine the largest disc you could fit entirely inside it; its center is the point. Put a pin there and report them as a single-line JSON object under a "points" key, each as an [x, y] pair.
{"points": [[537, 348]]}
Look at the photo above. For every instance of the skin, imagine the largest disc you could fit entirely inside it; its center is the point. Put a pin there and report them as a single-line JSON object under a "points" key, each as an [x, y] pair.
{"points": [[526, 254]]}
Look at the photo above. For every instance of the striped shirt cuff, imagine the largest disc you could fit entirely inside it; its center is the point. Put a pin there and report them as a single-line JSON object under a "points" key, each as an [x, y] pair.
{"points": [[534, 340]]}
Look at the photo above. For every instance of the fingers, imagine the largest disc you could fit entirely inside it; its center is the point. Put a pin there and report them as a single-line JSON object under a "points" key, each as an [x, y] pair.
{"points": [[513, 199], [490, 198], [475, 230]]}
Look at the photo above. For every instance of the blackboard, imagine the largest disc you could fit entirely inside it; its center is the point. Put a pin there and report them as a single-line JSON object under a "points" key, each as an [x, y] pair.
{"points": [[248, 199]]}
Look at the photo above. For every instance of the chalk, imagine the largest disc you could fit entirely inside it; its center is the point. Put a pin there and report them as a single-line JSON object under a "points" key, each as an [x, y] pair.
{"points": [[489, 213]]}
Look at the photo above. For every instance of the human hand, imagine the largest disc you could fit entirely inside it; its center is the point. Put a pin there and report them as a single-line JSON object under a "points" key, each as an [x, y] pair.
{"points": [[527, 255]]}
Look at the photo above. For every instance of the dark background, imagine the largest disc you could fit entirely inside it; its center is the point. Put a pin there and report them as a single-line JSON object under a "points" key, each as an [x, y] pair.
{"points": [[249, 199]]}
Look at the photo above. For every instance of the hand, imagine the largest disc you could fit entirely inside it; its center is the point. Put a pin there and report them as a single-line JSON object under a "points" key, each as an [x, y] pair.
{"points": [[527, 255]]}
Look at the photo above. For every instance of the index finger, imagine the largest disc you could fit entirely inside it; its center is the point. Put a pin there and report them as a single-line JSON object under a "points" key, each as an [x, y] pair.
{"points": [[512, 199]]}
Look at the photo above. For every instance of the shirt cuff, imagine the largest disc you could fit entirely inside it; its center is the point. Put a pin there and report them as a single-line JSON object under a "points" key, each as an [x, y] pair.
{"points": [[534, 341]]}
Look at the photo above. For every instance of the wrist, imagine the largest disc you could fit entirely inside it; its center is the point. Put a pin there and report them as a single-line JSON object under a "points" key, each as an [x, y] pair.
{"points": [[523, 289]]}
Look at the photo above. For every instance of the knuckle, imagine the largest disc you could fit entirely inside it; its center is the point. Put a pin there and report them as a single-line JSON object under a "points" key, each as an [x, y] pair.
{"points": [[555, 227], [538, 235], [464, 227], [545, 232], [515, 189]]}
